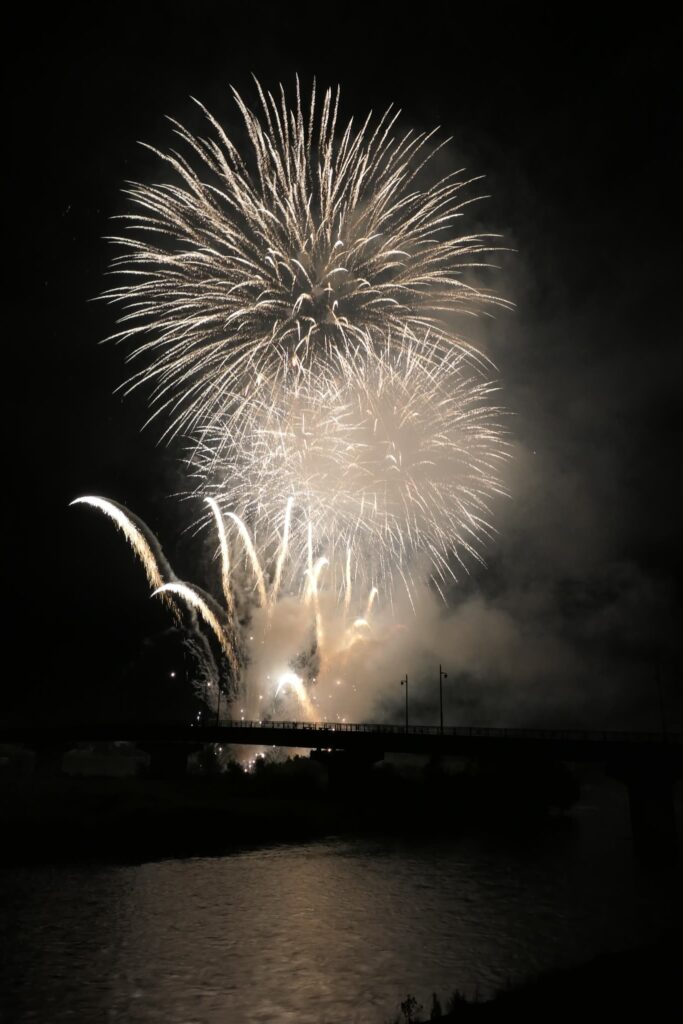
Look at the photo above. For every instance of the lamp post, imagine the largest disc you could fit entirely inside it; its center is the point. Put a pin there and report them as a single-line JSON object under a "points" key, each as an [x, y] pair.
{"points": [[404, 682], [658, 678], [442, 675], [218, 709]]}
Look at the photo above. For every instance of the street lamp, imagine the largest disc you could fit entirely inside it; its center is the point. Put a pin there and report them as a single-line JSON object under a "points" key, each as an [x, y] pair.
{"points": [[442, 676], [404, 682], [660, 692]]}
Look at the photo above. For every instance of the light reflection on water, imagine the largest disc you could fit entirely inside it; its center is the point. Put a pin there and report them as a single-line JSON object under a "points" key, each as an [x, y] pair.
{"points": [[323, 932]]}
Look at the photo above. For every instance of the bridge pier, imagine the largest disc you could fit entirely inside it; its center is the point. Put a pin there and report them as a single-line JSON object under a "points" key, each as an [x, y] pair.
{"points": [[168, 760], [650, 787]]}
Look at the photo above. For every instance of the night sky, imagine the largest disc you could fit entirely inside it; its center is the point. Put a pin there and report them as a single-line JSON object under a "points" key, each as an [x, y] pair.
{"points": [[574, 123]]}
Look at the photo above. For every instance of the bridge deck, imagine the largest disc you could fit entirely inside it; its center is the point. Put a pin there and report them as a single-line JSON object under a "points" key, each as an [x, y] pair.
{"points": [[562, 744]]}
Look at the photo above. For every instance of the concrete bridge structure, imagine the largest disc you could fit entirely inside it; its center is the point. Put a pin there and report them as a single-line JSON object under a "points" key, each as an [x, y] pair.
{"points": [[649, 764]]}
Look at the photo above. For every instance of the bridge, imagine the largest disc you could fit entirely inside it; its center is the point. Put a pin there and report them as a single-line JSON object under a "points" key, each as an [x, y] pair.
{"points": [[461, 741], [647, 763]]}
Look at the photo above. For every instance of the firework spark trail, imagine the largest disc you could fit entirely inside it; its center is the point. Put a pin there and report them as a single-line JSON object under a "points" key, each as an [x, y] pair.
{"points": [[371, 601], [225, 559], [295, 683], [284, 547], [347, 581], [201, 604], [319, 565], [253, 558], [140, 538], [309, 552], [313, 577], [207, 683], [252, 269], [149, 552]]}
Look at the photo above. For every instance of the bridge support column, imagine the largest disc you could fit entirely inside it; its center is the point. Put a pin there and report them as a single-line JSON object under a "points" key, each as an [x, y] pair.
{"points": [[651, 802], [168, 760]]}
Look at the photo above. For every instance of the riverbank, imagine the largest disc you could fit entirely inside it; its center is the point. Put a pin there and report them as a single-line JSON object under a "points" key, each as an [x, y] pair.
{"points": [[136, 819], [632, 982]]}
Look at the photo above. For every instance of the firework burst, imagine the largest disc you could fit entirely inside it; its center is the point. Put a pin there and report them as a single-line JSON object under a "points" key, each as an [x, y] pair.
{"points": [[396, 457], [291, 307], [247, 269]]}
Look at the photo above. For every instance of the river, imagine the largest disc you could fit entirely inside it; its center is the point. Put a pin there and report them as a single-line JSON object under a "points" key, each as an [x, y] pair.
{"points": [[326, 932]]}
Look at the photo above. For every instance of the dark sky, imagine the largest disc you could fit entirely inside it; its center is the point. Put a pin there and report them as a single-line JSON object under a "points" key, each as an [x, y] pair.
{"points": [[575, 123]]}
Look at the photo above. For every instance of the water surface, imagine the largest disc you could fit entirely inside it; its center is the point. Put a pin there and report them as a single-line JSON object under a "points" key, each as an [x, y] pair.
{"points": [[333, 931]]}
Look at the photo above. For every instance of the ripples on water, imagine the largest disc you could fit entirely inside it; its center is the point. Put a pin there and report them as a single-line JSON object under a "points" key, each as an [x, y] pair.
{"points": [[323, 933]]}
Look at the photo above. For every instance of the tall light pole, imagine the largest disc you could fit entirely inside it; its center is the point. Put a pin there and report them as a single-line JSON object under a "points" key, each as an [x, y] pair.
{"points": [[404, 682], [658, 678], [442, 676]]}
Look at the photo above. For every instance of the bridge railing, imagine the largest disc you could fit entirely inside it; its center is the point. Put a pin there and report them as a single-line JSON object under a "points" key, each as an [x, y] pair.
{"points": [[291, 733], [575, 735]]}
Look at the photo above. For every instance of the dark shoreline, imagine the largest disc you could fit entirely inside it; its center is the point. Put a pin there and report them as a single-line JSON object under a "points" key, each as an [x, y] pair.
{"points": [[62, 818], [642, 980]]}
